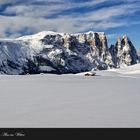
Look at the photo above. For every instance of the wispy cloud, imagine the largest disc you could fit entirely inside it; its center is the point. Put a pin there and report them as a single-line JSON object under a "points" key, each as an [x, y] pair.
{"points": [[46, 8], [19, 17]]}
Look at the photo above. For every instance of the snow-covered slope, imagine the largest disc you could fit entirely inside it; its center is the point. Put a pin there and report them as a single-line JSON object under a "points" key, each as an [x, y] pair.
{"points": [[134, 69], [61, 53], [69, 101]]}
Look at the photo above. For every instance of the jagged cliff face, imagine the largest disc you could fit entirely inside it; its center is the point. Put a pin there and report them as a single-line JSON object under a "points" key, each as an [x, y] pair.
{"points": [[63, 53], [124, 53], [75, 52]]}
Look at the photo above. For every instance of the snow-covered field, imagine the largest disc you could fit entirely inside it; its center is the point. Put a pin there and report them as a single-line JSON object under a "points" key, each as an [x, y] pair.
{"points": [[109, 99]]}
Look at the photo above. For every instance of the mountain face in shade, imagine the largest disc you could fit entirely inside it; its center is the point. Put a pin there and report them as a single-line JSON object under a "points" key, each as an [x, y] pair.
{"points": [[52, 52], [124, 52], [138, 52]]}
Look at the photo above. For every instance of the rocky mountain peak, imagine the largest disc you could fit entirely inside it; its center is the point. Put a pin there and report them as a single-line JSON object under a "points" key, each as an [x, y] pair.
{"points": [[118, 43], [124, 52], [60, 53]]}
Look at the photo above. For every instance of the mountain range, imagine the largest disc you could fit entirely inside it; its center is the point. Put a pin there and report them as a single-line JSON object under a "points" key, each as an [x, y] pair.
{"points": [[53, 52]]}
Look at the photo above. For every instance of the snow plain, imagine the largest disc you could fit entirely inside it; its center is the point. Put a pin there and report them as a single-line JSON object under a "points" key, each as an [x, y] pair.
{"points": [[109, 99]]}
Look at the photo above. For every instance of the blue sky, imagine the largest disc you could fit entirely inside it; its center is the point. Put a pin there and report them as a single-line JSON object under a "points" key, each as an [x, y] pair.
{"points": [[114, 17]]}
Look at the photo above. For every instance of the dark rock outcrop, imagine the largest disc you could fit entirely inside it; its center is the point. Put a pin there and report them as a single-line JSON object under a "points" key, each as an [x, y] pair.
{"points": [[124, 52]]}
